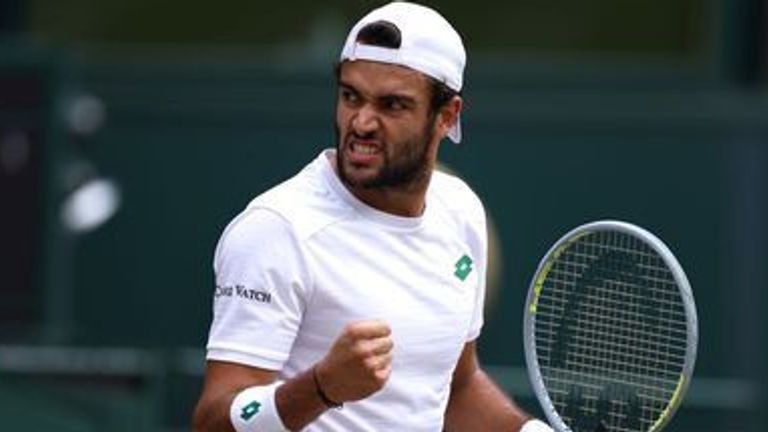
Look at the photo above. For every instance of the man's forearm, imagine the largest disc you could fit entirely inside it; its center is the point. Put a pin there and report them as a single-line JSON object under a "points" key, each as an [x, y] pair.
{"points": [[477, 404], [357, 365], [213, 415], [298, 401]]}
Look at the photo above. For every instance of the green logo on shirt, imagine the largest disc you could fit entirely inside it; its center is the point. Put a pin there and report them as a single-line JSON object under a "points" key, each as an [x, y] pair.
{"points": [[463, 267], [250, 410]]}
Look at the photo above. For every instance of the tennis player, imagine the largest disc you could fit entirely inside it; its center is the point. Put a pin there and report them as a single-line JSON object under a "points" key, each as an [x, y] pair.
{"points": [[350, 297]]}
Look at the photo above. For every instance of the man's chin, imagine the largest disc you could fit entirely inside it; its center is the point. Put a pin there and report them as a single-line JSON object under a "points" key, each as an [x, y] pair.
{"points": [[359, 177], [362, 182]]}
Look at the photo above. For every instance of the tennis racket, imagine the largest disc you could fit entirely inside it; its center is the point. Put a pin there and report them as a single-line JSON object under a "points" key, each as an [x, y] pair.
{"points": [[610, 331]]}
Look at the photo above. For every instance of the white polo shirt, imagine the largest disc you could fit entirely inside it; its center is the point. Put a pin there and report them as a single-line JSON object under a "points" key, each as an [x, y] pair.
{"points": [[307, 257]]}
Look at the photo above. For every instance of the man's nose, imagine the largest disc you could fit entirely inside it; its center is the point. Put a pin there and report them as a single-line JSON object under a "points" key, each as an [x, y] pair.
{"points": [[365, 120]]}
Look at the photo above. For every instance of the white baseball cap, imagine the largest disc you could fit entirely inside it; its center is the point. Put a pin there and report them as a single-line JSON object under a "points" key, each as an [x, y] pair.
{"points": [[429, 44]]}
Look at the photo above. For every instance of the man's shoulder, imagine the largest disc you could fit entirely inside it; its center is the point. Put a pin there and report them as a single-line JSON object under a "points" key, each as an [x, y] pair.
{"points": [[304, 202], [455, 195]]}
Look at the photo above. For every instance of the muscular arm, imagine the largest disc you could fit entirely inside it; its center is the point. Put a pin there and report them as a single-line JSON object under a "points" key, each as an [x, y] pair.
{"points": [[357, 365], [476, 403], [296, 399]]}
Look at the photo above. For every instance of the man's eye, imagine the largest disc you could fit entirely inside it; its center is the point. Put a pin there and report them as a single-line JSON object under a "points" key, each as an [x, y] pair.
{"points": [[394, 104], [349, 96]]}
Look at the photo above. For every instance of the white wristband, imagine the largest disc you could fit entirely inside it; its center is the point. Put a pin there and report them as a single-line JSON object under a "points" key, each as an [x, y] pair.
{"points": [[535, 425], [254, 409]]}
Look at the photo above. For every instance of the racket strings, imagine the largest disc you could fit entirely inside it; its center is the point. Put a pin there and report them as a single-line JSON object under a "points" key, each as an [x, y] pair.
{"points": [[610, 318]]}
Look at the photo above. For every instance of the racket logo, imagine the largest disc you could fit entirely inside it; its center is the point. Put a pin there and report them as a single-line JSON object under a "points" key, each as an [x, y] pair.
{"points": [[617, 403], [620, 274], [463, 267]]}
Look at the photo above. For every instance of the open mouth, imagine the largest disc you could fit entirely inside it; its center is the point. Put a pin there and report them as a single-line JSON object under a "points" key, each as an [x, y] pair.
{"points": [[364, 148], [363, 151]]}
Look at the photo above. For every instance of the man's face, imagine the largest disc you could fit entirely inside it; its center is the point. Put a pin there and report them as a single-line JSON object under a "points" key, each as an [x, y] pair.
{"points": [[384, 128]]}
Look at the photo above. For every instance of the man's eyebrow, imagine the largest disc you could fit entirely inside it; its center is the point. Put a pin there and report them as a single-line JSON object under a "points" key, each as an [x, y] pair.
{"points": [[397, 97], [405, 98], [347, 86]]}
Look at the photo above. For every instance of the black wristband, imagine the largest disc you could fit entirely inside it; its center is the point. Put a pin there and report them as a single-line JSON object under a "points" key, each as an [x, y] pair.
{"points": [[321, 394]]}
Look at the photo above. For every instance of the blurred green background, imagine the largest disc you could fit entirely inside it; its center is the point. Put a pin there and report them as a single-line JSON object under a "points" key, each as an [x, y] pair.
{"points": [[651, 111]]}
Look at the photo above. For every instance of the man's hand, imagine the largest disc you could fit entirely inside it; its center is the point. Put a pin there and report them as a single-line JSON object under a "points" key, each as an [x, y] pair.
{"points": [[359, 362]]}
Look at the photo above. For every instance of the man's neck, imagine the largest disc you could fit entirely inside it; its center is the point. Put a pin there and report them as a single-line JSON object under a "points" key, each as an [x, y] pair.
{"points": [[408, 201]]}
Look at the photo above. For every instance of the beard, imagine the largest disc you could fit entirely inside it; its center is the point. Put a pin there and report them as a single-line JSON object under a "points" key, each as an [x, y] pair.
{"points": [[405, 163]]}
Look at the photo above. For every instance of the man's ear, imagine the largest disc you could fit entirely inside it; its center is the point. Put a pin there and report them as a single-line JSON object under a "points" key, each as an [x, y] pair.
{"points": [[449, 114]]}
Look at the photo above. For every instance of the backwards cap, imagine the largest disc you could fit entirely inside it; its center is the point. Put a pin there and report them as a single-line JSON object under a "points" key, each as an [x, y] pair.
{"points": [[429, 44]]}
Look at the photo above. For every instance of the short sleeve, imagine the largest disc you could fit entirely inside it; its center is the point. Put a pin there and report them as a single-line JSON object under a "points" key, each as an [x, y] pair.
{"points": [[478, 242], [260, 293]]}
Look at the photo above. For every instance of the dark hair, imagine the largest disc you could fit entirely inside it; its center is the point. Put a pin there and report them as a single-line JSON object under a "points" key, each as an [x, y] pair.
{"points": [[441, 94], [380, 33]]}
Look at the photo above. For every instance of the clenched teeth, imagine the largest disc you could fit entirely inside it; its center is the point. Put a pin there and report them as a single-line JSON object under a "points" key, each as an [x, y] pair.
{"points": [[365, 149]]}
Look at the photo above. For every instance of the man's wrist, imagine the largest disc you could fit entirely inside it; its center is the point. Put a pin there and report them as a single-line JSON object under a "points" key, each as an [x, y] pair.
{"points": [[327, 401], [535, 425], [254, 409]]}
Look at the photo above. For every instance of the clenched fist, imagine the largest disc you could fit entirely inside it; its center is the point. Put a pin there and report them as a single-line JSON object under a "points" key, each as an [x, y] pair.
{"points": [[359, 362]]}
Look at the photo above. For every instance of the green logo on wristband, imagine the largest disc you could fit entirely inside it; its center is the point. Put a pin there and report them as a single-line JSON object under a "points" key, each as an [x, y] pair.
{"points": [[250, 410]]}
